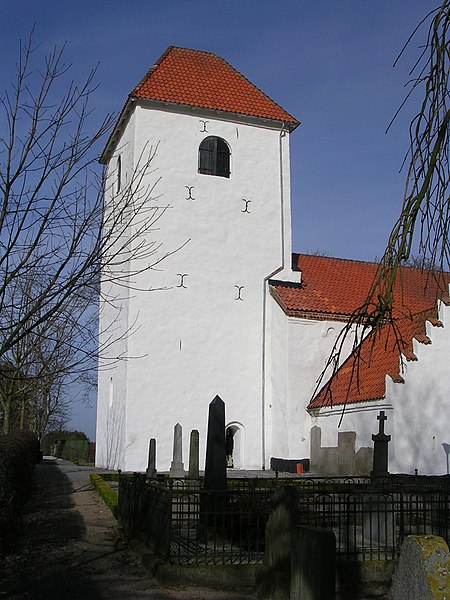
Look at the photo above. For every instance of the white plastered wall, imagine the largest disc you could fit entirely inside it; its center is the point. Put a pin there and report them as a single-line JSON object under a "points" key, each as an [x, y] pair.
{"points": [[309, 344], [422, 405], [199, 340], [299, 349], [114, 325], [276, 378]]}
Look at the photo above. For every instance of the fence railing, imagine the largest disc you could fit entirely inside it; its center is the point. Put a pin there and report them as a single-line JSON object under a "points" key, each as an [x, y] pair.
{"points": [[372, 524], [182, 522]]}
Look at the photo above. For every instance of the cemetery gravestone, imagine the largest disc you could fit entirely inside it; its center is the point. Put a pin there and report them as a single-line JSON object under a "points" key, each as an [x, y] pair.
{"points": [[151, 465], [380, 449], [213, 504], [177, 467], [194, 454], [216, 462]]}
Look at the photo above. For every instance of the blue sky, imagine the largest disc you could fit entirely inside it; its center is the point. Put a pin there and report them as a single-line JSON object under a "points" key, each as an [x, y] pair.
{"points": [[328, 62]]}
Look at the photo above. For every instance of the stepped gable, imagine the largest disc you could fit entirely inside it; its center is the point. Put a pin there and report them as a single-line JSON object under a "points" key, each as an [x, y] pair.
{"points": [[202, 79], [332, 289], [362, 377]]}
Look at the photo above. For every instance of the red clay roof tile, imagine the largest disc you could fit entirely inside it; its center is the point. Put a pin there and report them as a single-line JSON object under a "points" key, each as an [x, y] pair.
{"points": [[362, 377], [202, 79], [336, 287], [333, 288]]}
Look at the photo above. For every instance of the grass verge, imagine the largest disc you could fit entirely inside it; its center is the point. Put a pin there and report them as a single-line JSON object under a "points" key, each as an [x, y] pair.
{"points": [[109, 496]]}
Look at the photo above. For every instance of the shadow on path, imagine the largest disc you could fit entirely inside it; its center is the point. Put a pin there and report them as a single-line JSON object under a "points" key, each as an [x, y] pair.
{"points": [[41, 562], [67, 548]]}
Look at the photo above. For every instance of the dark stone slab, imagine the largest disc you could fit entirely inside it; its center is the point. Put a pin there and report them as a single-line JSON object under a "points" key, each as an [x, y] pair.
{"points": [[216, 462]]}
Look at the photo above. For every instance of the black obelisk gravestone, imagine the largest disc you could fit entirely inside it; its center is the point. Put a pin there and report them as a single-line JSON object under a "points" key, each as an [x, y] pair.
{"points": [[213, 501], [216, 462]]}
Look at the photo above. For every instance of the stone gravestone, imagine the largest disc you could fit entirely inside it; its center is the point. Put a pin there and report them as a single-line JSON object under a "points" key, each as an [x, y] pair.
{"points": [[299, 562], [176, 466], [194, 454], [216, 461], [380, 449], [213, 502], [446, 448], [273, 577], [151, 465], [378, 508], [341, 460]]}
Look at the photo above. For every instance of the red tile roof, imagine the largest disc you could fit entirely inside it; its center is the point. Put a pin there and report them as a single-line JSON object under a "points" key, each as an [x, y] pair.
{"points": [[362, 376], [202, 79], [333, 288]]}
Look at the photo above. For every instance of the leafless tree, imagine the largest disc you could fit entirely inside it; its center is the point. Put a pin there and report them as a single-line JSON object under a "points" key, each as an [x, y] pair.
{"points": [[423, 224], [59, 244]]}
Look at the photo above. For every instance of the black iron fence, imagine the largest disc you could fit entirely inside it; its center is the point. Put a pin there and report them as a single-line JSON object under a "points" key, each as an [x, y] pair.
{"points": [[188, 525], [371, 524]]}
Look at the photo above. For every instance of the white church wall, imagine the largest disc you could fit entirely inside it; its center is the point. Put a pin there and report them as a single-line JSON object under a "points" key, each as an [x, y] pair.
{"points": [[309, 345], [422, 405], [114, 325], [196, 337], [276, 421]]}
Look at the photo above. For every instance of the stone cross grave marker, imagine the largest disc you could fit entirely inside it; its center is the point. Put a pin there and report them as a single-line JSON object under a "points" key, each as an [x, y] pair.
{"points": [[380, 448]]}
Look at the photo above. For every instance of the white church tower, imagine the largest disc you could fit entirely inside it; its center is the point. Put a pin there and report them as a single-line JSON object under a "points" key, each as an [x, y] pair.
{"points": [[221, 168]]}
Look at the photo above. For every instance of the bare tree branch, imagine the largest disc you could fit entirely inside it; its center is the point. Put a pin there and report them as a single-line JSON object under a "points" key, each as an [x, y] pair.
{"points": [[60, 245]]}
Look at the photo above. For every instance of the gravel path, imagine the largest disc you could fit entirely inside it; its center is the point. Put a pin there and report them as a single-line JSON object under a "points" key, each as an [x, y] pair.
{"points": [[67, 548]]}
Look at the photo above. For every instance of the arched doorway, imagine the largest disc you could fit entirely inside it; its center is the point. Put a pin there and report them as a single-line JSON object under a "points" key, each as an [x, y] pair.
{"points": [[234, 436]]}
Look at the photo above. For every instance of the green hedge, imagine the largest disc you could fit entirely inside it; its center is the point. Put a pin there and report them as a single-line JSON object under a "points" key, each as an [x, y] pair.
{"points": [[109, 496], [72, 449], [18, 456]]}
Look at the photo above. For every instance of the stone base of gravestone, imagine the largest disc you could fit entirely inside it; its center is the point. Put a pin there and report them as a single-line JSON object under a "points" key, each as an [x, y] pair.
{"points": [[379, 521], [313, 564], [215, 514], [273, 577]]}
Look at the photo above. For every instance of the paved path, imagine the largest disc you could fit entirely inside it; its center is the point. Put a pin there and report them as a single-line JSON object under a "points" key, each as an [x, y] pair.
{"points": [[67, 548]]}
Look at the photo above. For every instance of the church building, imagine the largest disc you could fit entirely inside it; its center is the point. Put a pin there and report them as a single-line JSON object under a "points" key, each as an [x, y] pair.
{"points": [[212, 301]]}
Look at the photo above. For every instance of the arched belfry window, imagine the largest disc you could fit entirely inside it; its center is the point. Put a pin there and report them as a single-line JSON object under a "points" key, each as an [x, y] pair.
{"points": [[214, 157]]}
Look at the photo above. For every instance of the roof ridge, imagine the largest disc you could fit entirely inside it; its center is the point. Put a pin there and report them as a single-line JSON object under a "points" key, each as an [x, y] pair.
{"points": [[339, 258], [369, 262]]}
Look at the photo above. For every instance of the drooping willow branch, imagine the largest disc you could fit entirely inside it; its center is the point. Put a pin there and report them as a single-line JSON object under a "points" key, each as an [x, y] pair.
{"points": [[423, 223]]}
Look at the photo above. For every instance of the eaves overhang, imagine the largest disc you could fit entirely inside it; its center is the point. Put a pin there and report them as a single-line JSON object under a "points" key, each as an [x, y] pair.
{"points": [[300, 313], [117, 131]]}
